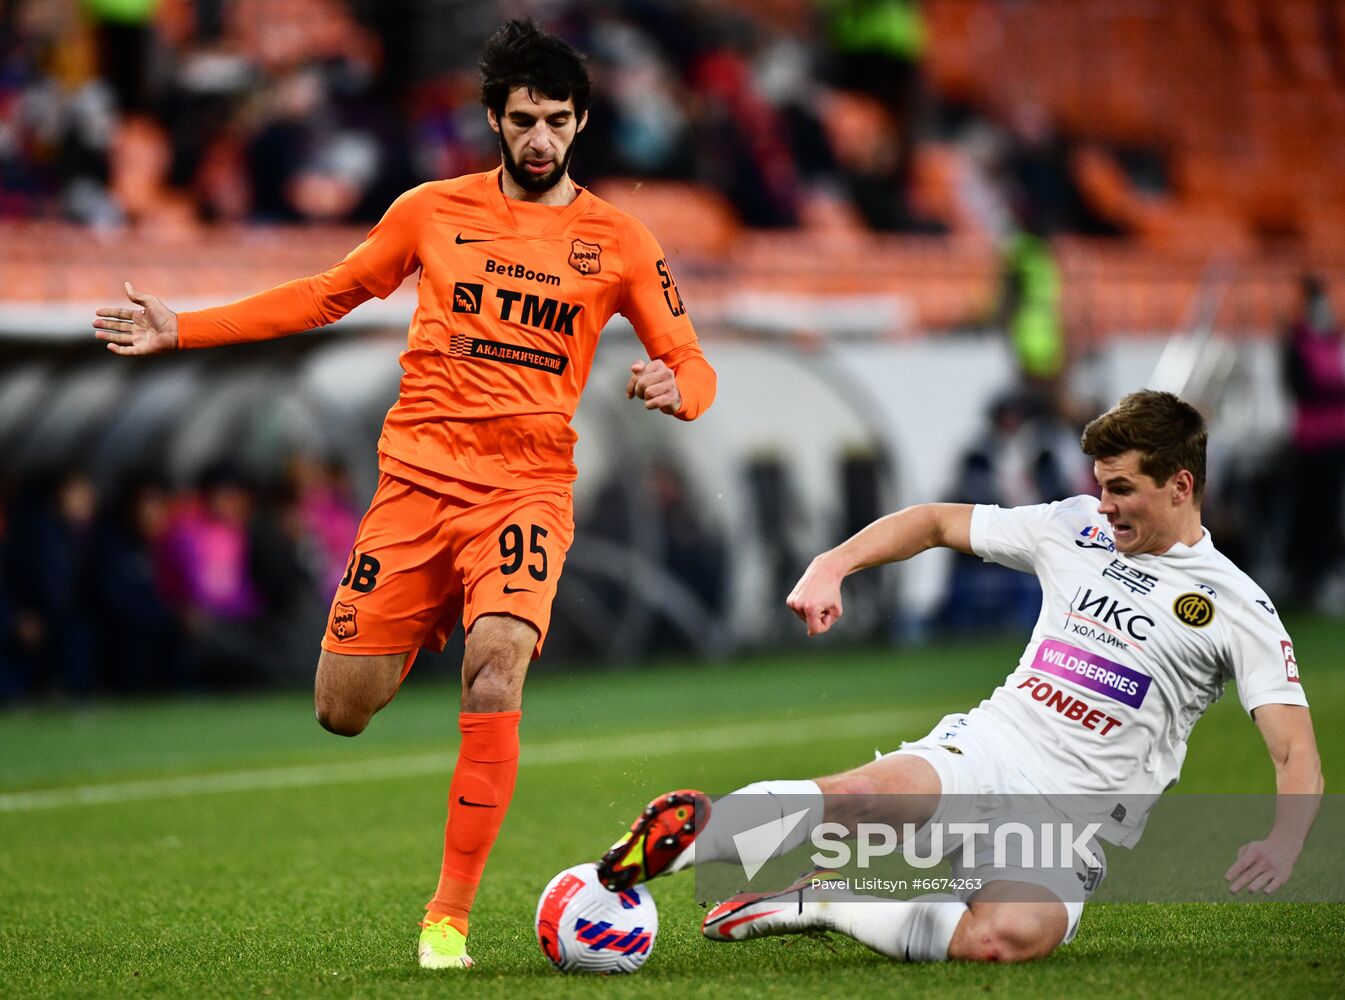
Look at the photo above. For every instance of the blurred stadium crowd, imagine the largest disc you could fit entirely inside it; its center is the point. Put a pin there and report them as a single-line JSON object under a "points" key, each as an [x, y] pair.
{"points": [[324, 110], [1062, 170], [1188, 124], [218, 585]]}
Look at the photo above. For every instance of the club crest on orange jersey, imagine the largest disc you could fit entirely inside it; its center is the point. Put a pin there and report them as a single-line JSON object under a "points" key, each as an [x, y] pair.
{"points": [[344, 625], [586, 258]]}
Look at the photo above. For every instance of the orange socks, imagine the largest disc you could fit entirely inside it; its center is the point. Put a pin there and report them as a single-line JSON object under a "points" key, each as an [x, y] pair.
{"points": [[478, 797]]}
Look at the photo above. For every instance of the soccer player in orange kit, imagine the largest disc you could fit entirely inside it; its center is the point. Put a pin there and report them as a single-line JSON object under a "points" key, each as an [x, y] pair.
{"points": [[519, 272]]}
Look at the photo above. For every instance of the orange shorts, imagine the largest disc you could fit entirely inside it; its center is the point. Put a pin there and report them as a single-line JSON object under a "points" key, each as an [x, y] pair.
{"points": [[423, 559]]}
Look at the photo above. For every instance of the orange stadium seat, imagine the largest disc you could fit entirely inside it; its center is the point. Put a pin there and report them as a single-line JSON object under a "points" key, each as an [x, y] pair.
{"points": [[283, 34], [687, 218], [1244, 101], [1243, 98], [961, 31]]}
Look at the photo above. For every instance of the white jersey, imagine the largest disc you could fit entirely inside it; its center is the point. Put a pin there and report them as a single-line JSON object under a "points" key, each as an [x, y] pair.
{"points": [[1128, 652]]}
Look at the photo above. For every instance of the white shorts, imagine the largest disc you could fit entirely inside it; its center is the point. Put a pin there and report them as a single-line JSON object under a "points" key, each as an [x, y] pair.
{"points": [[976, 778]]}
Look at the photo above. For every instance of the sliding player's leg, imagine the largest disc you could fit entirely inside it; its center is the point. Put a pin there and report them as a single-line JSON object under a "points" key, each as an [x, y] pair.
{"points": [[1004, 922], [895, 789], [1020, 909], [1013, 922], [680, 829]]}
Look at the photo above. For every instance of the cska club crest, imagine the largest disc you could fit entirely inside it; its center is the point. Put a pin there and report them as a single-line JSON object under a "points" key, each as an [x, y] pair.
{"points": [[586, 258]]}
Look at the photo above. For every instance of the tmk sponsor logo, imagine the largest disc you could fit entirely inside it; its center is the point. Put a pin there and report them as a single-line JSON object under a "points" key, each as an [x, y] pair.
{"points": [[1105, 619], [1093, 537], [535, 311], [467, 297]]}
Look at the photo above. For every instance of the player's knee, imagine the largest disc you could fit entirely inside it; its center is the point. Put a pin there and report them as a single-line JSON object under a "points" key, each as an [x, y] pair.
{"points": [[853, 784], [349, 691], [342, 722], [492, 688], [1007, 936], [340, 718], [849, 798]]}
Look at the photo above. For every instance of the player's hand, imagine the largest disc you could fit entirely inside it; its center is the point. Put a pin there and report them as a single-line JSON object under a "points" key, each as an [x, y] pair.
{"points": [[816, 598], [1262, 865], [656, 384], [151, 328]]}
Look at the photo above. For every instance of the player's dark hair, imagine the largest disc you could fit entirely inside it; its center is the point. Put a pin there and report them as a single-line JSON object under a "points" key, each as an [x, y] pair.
{"points": [[520, 54], [1168, 432]]}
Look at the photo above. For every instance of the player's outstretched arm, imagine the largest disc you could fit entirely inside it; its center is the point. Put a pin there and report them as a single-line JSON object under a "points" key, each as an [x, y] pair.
{"points": [[149, 328], [295, 306], [1265, 865], [816, 598]]}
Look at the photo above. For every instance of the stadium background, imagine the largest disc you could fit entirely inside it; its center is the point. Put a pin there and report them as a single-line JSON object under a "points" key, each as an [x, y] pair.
{"points": [[920, 242]]}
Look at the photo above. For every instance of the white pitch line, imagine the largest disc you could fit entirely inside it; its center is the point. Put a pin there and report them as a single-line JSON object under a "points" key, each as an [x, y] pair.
{"points": [[783, 732]]}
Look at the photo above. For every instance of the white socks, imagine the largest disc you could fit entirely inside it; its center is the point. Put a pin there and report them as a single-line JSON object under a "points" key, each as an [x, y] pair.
{"points": [[915, 930], [773, 826], [756, 830]]}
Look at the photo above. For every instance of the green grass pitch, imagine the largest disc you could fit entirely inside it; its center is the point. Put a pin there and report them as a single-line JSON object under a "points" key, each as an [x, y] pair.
{"points": [[231, 848]]}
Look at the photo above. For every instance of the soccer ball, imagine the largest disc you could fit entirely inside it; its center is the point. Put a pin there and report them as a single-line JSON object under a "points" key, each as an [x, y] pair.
{"points": [[584, 927]]}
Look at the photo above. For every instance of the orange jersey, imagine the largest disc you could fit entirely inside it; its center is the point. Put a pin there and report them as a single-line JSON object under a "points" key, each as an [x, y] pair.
{"points": [[512, 299]]}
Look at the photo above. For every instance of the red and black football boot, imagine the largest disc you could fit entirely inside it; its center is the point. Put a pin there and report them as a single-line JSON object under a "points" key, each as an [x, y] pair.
{"points": [[665, 829]]}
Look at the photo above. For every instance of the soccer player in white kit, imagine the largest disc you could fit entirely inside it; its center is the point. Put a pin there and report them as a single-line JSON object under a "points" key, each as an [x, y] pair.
{"points": [[1142, 623]]}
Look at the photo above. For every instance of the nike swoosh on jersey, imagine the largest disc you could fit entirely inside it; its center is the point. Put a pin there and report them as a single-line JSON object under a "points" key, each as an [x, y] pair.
{"points": [[485, 239], [516, 590]]}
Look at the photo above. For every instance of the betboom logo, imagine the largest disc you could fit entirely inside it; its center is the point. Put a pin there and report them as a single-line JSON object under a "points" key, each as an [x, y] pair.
{"points": [[519, 271], [1045, 846]]}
